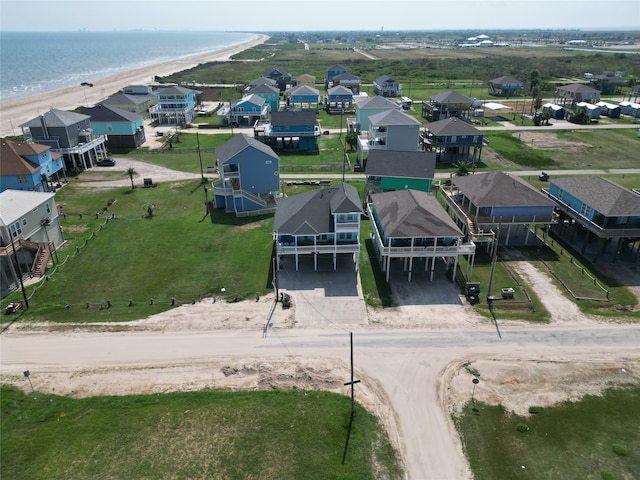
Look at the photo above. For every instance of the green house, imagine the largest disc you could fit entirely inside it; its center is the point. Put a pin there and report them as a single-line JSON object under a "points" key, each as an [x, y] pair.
{"points": [[389, 170]]}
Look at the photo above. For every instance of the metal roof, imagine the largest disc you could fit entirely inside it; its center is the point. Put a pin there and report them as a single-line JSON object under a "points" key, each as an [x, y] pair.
{"points": [[15, 204]]}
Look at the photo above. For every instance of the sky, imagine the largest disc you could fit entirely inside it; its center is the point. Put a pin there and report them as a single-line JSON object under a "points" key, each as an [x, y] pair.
{"points": [[307, 15]]}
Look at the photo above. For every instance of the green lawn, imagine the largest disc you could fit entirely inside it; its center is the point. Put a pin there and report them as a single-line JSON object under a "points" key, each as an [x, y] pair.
{"points": [[218, 435], [594, 439]]}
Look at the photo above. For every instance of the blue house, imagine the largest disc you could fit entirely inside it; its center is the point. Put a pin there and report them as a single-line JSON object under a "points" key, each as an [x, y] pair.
{"points": [[176, 106], [453, 139], [270, 93], [303, 96], [600, 210], [319, 222], [339, 100], [249, 176], [123, 130], [246, 111], [30, 166], [485, 203], [371, 106], [411, 229], [289, 130], [332, 72], [280, 75]]}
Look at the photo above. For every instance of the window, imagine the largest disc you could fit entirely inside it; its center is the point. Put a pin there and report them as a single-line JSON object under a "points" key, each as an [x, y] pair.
{"points": [[15, 230], [47, 207], [24, 222], [586, 210]]}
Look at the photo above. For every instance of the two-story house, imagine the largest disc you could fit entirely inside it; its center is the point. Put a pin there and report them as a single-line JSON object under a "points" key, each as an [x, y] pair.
{"points": [[387, 86], [246, 111], [261, 81], [453, 139], [29, 233], [505, 86], [176, 106], [140, 104], [410, 229], [303, 96], [394, 130], [319, 222], [369, 106], [271, 94], [597, 211], [123, 130], [305, 79], [393, 170], [332, 72], [249, 176], [68, 133], [290, 130], [339, 100], [347, 80], [280, 75], [487, 203], [30, 166], [446, 104], [570, 95]]}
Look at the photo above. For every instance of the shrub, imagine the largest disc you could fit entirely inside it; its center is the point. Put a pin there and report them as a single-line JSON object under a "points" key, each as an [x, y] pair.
{"points": [[607, 475], [522, 427], [535, 409], [620, 449]]}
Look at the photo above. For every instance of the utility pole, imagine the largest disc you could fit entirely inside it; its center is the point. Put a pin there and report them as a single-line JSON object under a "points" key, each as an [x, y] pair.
{"points": [[200, 157], [15, 259], [352, 382]]}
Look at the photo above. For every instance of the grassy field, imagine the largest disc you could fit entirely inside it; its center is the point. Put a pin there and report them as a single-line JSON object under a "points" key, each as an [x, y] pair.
{"points": [[217, 435], [594, 439]]}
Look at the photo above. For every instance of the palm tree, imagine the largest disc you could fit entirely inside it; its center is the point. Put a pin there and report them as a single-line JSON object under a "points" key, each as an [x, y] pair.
{"points": [[463, 167], [352, 139], [131, 172]]}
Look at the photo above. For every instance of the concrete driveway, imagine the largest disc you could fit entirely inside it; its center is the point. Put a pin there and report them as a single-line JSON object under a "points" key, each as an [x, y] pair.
{"points": [[325, 297]]}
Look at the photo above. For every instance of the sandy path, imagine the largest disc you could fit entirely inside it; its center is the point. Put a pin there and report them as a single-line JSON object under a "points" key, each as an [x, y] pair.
{"points": [[16, 112]]}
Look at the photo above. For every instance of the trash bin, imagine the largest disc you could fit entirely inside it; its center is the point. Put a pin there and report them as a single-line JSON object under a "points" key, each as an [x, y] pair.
{"points": [[507, 292]]}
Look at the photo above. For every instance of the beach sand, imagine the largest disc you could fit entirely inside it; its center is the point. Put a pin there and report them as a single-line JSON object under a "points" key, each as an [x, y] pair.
{"points": [[18, 111]]}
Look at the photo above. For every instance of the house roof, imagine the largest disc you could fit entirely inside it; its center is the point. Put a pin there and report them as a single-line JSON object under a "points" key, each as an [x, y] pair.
{"points": [[56, 118], [385, 79], [12, 161], [264, 88], [303, 90], [392, 163], [450, 97], [176, 90], [505, 80], [378, 102], [345, 76], [339, 90], [306, 75], [237, 144], [125, 99], [250, 98], [393, 117], [106, 113], [411, 213], [262, 81], [578, 88], [605, 196], [310, 213], [14, 204], [270, 71], [293, 118], [452, 126], [499, 189], [336, 68]]}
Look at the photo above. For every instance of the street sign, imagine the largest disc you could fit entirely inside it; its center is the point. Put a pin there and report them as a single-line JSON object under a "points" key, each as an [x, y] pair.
{"points": [[475, 381]]}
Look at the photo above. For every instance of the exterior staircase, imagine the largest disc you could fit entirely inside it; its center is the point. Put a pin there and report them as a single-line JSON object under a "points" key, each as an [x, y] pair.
{"points": [[41, 260]]}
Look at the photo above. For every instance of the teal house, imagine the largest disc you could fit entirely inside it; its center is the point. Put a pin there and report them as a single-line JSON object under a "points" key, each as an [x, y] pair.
{"points": [[123, 130], [389, 170], [372, 106], [271, 94]]}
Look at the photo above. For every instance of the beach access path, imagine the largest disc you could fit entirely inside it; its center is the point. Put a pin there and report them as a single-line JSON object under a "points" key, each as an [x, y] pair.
{"points": [[16, 112]]}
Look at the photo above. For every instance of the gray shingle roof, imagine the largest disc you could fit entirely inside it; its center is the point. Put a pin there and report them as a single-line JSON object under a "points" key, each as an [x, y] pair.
{"points": [[410, 213], [293, 118], [124, 99], [499, 189], [310, 213], [264, 88], [378, 102], [105, 113], [57, 118], [339, 90], [605, 196], [303, 90], [393, 117], [450, 97], [391, 163], [452, 126], [237, 143], [176, 90], [505, 80]]}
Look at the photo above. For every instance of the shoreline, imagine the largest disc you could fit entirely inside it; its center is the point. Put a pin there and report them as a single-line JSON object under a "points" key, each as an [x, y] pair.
{"points": [[20, 110]]}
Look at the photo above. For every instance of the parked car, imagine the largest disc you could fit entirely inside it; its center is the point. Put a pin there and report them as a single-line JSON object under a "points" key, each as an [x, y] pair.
{"points": [[106, 162]]}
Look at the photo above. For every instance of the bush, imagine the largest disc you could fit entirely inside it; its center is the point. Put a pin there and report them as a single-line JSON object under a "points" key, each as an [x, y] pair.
{"points": [[522, 427], [535, 410], [620, 449], [607, 475]]}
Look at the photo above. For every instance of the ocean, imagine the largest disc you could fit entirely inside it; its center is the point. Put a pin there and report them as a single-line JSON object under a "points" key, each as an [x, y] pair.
{"points": [[36, 62]]}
